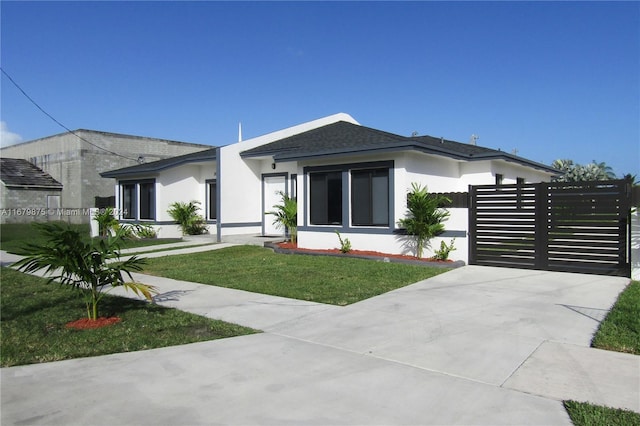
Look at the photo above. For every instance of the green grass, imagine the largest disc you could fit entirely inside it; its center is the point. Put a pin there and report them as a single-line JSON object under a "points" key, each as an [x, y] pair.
{"points": [[583, 414], [324, 279], [620, 330], [13, 237], [33, 315]]}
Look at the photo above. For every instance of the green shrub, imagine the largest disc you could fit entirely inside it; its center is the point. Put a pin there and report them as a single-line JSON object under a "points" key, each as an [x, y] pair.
{"points": [[424, 216], [186, 215]]}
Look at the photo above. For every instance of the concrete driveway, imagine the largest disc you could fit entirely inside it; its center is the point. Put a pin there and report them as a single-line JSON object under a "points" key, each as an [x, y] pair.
{"points": [[475, 345]]}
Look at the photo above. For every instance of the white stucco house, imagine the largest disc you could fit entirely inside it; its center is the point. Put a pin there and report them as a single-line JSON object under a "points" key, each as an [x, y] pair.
{"points": [[345, 176]]}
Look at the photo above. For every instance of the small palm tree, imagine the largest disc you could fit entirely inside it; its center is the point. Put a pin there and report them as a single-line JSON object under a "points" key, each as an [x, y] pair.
{"points": [[106, 221], [186, 215], [286, 215], [87, 266], [424, 216]]}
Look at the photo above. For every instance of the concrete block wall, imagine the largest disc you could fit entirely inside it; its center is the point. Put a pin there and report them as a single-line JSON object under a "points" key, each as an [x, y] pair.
{"points": [[77, 164], [27, 205]]}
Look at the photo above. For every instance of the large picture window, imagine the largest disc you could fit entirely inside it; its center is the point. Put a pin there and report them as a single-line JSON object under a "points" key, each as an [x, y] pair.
{"points": [[370, 197], [138, 200], [325, 198]]}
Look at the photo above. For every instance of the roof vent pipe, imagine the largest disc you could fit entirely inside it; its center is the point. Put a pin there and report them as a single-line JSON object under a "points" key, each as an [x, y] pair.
{"points": [[441, 139]]}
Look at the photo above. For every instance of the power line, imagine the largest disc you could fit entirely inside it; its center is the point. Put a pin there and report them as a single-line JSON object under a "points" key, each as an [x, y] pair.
{"points": [[57, 122]]}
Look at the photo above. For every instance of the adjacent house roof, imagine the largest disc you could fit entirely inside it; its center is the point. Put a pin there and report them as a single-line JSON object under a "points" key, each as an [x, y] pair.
{"points": [[19, 173], [156, 166], [344, 138]]}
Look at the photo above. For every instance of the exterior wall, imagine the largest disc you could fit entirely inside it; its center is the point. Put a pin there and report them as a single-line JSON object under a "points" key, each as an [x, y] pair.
{"points": [[439, 175], [240, 180], [77, 164], [28, 205]]}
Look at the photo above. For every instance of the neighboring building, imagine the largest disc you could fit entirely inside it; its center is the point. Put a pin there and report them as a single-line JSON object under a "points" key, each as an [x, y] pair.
{"points": [[76, 159], [27, 193], [346, 177]]}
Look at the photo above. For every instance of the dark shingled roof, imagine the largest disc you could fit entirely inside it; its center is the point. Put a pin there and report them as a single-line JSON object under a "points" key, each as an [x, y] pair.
{"points": [[18, 173], [156, 166], [347, 138]]}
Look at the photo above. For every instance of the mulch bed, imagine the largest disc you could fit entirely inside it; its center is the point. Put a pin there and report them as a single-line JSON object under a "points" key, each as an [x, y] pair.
{"points": [[289, 248], [87, 323]]}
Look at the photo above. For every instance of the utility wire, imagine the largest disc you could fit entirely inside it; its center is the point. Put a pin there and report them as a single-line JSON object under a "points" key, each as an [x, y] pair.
{"points": [[59, 123]]}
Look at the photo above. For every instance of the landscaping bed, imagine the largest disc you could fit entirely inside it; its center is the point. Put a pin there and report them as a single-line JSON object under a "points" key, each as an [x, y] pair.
{"points": [[289, 248]]}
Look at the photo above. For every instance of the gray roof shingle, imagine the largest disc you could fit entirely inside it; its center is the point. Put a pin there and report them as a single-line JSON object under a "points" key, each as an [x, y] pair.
{"points": [[19, 173], [347, 138]]}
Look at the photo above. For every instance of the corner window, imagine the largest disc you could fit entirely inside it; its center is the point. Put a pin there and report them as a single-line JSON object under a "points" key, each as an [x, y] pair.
{"points": [[138, 200], [370, 197], [325, 198]]}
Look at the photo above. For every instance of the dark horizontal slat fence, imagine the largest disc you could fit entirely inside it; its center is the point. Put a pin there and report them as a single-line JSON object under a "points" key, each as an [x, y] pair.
{"points": [[572, 227]]}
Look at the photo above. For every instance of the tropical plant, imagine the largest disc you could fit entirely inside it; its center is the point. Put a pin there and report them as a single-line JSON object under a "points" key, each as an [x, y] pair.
{"points": [[186, 215], [444, 251], [573, 172], [286, 215], [107, 221], [345, 245], [88, 266], [424, 216]]}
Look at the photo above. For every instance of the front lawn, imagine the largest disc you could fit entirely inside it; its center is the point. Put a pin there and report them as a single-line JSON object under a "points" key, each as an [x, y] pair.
{"points": [[14, 236], [323, 279], [584, 414], [620, 330], [33, 315]]}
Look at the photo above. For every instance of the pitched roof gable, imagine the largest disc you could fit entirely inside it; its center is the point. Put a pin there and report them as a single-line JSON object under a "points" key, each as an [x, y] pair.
{"points": [[347, 138], [19, 173]]}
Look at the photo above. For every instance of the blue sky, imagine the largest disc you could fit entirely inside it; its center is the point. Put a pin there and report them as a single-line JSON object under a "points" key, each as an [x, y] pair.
{"points": [[550, 79]]}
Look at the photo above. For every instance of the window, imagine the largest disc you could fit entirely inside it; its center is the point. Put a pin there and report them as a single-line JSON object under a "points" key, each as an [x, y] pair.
{"points": [[138, 200], [370, 197], [129, 201], [499, 179], [325, 198], [147, 200], [520, 181], [212, 194]]}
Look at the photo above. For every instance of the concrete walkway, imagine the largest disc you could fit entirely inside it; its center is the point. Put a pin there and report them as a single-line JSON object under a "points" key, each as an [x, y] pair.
{"points": [[475, 345]]}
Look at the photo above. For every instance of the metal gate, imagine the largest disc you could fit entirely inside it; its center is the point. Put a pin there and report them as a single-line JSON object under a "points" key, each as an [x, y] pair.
{"points": [[571, 227]]}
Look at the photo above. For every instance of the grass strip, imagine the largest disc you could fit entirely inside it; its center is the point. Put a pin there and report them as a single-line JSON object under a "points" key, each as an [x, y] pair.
{"points": [[33, 315], [584, 414], [620, 330], [323, 279]]}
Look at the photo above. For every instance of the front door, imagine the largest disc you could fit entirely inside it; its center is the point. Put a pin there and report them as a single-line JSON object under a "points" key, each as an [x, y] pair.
{"points": [[272, 186]]}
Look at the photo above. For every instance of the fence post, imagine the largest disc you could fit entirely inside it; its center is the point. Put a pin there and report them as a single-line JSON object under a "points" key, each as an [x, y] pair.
{"points": [[542, 225], [473, 228]]}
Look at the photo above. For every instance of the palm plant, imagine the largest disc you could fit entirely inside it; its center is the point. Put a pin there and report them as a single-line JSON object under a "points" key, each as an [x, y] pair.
{"points": [[88, 266], [424, 216], [186, 215], [286, 215], [107, 221]]}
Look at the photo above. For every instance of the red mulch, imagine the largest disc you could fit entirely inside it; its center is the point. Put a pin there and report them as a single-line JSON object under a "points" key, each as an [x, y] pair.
{"points": [[291, 246], [86, 323]]}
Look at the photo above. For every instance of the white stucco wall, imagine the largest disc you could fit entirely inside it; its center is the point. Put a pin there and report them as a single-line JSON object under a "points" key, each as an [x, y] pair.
{"points": [[240, 181], [438, 174]]}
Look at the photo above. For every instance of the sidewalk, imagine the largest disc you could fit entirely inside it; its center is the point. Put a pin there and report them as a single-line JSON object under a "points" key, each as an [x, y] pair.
{"points": [[475, 345]]}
